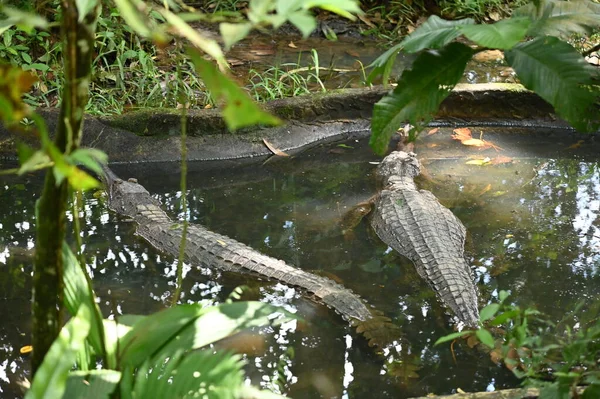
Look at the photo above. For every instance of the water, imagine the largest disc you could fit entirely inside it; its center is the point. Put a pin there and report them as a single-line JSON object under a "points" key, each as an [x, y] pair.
{"points": [[533, 230]]}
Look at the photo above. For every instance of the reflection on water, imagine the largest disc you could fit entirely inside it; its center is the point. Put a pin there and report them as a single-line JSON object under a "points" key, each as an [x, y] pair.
{"points": [[533, 229]]}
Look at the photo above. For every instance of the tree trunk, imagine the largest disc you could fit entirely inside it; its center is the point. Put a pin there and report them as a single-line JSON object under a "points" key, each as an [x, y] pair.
{"points": [[51, 208]]}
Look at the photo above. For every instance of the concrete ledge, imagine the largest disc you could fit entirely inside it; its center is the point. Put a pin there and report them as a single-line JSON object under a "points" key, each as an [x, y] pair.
{"points": [[152, 135]]}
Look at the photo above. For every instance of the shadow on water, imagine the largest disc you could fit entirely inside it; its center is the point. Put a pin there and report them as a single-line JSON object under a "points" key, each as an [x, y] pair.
{"points": [[533, 229]]}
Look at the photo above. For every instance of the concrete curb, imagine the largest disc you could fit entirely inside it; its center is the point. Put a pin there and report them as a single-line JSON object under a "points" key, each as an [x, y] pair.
{"points": [[153, 135]]}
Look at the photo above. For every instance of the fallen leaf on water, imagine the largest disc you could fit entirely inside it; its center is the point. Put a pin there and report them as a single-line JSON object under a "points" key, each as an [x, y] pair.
{"points": [[472, 341], [433, 131], [274, 150], [464, 136], [292, 45], [352, 53], [26, 349], [486, 189], [496, 356], [479, 162], [576, 145], [432, 145]]}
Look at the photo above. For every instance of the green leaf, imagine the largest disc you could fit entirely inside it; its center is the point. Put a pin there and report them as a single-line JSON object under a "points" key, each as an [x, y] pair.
{"points": [[189, 327], [94, 384], [238, 108], [305, 22], [25, 152], [489, 311], [453, 336], [502, 35], [218, 322], [485, 337], [419, 93], [383, 64], [434, 33], [558, 74], [51, 378], [345, 8], [204, 43], [91, 158], [503, 317], [24, 20], [591, 392], [502, 295], [135, 19], [233, 33], [561, 18], [26, 57], [37, 66], [84, 7], [78, 294], [198, 373], [36, 161]]}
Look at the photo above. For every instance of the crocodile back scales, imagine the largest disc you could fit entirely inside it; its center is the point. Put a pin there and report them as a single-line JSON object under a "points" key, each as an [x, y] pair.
{"points": [[416, 225]]}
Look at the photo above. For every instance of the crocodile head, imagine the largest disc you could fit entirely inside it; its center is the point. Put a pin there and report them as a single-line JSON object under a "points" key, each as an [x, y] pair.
{"points": [[399, 165]]}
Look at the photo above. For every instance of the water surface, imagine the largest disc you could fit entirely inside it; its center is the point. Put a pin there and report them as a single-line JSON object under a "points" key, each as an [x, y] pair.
{"points": [[533, 230]]}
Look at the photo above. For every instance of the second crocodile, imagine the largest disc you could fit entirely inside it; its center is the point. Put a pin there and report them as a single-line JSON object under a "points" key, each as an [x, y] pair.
{"points": [[415, 224]]}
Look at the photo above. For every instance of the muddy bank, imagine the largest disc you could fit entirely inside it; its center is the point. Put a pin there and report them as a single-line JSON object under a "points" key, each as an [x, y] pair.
{"points": [[152, 135]]}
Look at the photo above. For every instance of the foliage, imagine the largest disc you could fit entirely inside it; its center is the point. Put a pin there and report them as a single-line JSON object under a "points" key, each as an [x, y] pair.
{"points": [[160, 355], [547, 64], [557, 357]]}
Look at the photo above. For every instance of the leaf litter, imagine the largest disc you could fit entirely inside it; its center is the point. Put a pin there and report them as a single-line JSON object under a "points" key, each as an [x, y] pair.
{"points": [[465, 136]]}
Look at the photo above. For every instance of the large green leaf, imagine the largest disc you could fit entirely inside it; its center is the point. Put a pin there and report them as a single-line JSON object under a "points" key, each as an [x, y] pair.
{"points": [[51, 378], [238, 109], [189, 327], [218, 322], [558, 17], [78, 294], [419, 93], [383, 64], [23, 20], [94, 384], [149, 334], [558, 74], [434, 33], [199, 373], [503, 34]]}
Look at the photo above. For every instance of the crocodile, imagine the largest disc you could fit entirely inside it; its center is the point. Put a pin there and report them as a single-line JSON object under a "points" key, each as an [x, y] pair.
{"points": [[417, 226], [204, 247]]}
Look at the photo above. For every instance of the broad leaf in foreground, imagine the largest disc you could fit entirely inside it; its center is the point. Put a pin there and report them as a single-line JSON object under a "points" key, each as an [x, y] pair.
{"points": [[197, 373], [502, 35], [558, 74], [434, 33], [557, 17], [419, 93], [190, 327], [383, 64], [237, 108], [94, 384], [51, 377], [77, 294]]}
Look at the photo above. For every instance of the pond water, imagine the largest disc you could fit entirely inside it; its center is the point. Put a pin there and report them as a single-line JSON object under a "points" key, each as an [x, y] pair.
{"points": [[533, 225]]}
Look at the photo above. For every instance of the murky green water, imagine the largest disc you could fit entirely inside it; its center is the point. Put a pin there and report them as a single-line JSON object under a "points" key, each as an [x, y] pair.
{"points": [[533, 230]]}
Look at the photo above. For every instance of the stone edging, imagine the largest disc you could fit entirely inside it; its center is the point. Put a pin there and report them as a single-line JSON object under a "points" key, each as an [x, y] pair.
{"points": [[153, 135]]}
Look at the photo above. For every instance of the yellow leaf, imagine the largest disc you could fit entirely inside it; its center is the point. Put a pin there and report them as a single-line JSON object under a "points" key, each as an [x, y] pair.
{"points": [[479, 162], [274, 150]]}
